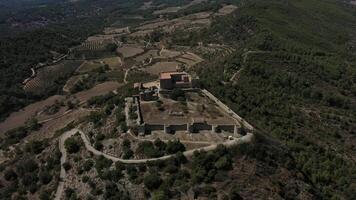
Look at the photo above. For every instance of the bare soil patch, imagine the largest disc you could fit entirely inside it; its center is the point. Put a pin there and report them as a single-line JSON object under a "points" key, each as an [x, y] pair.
{"points": [[169, 53], [149, 54], [89, 66], [162, 67], [98, 90], [226, 10], [49, 128], [167, 10], [141, 33], [130, 51], [71, 82], [196, 107], [47, 76], [19, 118]]}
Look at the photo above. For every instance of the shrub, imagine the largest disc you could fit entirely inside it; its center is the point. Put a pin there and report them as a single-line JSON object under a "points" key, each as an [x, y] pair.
{"points": [[223, 163], [72, 145], [234, 194], [35, 147], [67, 166], [10, 175], [88, 164], [148, 149], [177, 94], [174, 147], [85, 179], [98, 146], [101, 162], [152, 181], [160, 195], [45, 177]]}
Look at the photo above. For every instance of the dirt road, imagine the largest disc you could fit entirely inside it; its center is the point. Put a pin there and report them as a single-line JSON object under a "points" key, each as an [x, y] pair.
{"points": [[245, 139]]}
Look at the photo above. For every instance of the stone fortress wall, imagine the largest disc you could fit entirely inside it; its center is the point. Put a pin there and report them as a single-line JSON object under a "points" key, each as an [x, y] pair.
{"points": [[195, 127]]}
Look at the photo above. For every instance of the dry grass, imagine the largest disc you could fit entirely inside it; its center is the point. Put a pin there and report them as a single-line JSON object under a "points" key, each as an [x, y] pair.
{"points": [[89, 66], [147, 55], [167, 10], [98, 90], [130, 51], [169, 53], [162, 67], [19, 118], [197, 106], [71, 82], [227, 10]]}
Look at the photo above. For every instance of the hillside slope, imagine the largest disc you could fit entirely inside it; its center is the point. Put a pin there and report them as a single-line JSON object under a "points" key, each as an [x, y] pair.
{"points": [[297, 82]]}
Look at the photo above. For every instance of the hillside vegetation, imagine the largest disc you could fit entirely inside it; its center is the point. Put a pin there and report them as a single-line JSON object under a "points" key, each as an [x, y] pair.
{"points": [[297, 82]]}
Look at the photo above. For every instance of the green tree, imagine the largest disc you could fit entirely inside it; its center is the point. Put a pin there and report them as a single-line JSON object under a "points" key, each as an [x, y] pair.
{"points": [[72, 145], [174, 147], [152, 181]]}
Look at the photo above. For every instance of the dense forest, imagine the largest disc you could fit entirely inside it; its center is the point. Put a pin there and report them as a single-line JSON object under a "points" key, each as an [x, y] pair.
{"points": [[296, 82], [26, 48], [43, 27]]}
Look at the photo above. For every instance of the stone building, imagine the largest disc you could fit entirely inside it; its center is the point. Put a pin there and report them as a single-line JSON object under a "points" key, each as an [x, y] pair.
{"points": [[171, 80]]}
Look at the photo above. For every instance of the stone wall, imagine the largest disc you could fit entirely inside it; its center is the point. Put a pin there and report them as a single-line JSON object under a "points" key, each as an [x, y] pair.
{"points": [[228, 110]]}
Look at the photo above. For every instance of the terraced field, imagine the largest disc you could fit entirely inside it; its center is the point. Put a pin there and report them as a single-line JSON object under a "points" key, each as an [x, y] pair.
{"points": [[47, 76], [159, 67], [129, 51]]}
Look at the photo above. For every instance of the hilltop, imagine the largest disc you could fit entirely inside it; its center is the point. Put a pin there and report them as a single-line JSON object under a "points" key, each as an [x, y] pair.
{"points": [[163, 99]]}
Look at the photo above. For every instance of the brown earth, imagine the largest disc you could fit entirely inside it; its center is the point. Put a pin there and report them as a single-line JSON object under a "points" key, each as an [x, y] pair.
{"points": [[19, 118]]}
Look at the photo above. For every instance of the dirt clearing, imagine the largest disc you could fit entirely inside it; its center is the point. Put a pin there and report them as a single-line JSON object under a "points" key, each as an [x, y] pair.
{"points": [[19, 118], [129, 51], [162, 67]]}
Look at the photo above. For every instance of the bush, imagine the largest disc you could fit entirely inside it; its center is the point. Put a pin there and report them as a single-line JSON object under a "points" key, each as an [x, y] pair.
{"points": [[160, 195], [223, 163], [177, 94], [26, 166], [72, 145], [88, 164], [152, 181], [148, 149], [67, 166], [85, 179], [174, 147], [35, 147], [45, 177], [10, 175], [234, 194], [98, 146], [101, 162]]}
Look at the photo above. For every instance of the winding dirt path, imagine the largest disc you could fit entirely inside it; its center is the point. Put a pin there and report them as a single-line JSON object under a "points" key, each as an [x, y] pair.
{"points": [[245, 139], [63, 174]]}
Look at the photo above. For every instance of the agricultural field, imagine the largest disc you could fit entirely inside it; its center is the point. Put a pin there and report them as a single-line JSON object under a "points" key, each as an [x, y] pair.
{"points": [[226, 10], [147, 55], [89, 66], [114, 30], [167, 10], [165, 53], [189, 59], [95, 44], [46, 77], [159, 67], [19, 118], [71, 82], [100, 89], [129, 51]]}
